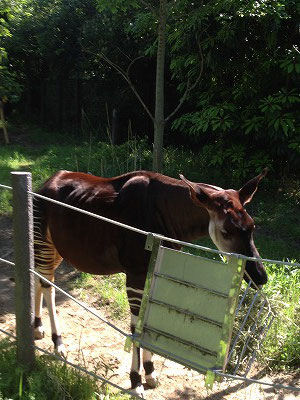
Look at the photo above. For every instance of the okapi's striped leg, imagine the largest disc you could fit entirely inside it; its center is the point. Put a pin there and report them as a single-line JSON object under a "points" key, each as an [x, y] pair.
{"points": [[137, 387], [135, 298], [150, 374], [49, 294], [47, 259], [39, 332]]}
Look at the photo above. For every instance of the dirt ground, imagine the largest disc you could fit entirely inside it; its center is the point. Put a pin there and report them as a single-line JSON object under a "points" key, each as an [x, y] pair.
{"points": [[99, 348]]}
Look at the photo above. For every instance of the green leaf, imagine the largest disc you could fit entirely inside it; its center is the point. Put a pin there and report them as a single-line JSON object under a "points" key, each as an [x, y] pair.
{"points": [[284, 127]]}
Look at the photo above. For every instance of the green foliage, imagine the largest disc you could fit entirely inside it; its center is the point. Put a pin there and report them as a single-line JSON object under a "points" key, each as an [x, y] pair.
{"points": [[117, 5], [250, 91], [249, 54], [49, 380], [10, 88], [282, 346]]}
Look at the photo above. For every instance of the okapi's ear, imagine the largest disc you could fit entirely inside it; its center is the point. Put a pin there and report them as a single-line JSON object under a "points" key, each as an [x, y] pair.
{"points": [[248, 190], [200, 196]]}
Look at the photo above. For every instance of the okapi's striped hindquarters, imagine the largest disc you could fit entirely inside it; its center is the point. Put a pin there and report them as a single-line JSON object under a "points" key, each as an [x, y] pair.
{"points": [[149, 201]]}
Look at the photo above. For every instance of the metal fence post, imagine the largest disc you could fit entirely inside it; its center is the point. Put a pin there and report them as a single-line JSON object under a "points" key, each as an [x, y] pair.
{"points": [[24, 260]]}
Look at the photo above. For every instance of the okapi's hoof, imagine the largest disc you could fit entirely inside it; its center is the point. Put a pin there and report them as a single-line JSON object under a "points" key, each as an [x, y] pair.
{"points": [[39, 333], [152, 380], [138, 391], [60, 350], [59, 347]]}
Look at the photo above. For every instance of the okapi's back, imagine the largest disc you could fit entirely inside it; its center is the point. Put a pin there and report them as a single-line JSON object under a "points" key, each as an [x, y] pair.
{"points": [[90, 244]]}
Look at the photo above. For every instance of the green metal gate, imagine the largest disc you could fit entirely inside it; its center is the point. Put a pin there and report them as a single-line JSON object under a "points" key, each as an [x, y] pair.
{"points": [[188, 307]]}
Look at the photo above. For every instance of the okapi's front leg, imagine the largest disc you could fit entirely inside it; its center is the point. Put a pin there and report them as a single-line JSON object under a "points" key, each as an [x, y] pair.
{"points": [[150, 374], [135, 372], [135, 295], [137, 387]]}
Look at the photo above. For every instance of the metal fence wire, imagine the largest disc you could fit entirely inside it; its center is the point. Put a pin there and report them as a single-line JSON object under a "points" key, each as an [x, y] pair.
{"points": [[253, 316]]}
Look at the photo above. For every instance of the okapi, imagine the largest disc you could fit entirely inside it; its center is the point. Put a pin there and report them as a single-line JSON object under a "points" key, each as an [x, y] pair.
{"points": [[178, 209]]}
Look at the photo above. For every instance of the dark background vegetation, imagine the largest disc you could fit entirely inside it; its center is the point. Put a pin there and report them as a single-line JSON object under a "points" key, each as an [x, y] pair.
{"points": [[242, 116]]}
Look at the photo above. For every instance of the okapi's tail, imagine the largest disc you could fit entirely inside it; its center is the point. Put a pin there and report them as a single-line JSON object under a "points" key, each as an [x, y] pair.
{"points": [[46, 257], [39, 220]]}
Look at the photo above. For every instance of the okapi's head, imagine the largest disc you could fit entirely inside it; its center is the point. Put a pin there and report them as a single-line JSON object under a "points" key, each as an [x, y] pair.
{"points": [[230, 226]]}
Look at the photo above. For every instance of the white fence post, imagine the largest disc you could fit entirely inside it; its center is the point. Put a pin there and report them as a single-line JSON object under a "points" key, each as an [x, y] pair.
{"points": [[24, 260]]}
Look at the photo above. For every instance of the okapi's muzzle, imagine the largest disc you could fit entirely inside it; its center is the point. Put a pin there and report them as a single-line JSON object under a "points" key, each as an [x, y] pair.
{"points": [[256, 272]]}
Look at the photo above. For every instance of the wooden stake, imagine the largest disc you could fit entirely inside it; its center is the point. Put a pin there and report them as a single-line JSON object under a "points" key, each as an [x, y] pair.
{"points": [[6, 139], [24, 261]]}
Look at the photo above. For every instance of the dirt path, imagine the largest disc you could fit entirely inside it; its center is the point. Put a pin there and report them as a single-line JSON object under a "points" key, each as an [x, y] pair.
{"points": [[98, 348]]}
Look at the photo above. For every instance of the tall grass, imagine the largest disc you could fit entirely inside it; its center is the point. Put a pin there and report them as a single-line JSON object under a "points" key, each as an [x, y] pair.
{"points": [[49, 380], [282, 347]]}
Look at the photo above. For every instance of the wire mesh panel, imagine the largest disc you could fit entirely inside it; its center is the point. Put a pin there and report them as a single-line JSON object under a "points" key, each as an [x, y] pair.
{"points": [[253, 318], [188, 307]]}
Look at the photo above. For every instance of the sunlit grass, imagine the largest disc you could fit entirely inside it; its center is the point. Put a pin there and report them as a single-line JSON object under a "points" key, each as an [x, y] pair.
{"points": [[110, 291], [49, 380], [282, 347]]}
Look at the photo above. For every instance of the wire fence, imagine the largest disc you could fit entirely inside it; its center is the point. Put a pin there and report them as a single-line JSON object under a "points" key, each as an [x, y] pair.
{"points": [[264, 303]]}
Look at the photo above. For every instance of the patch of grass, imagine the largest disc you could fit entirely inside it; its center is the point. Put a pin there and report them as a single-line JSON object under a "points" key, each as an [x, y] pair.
{"points": [[282, 347], [110, 291], [11, 159], [49, 380]]}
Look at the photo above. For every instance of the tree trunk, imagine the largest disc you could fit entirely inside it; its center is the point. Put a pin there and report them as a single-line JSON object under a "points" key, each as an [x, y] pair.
{"points": [[159, 118]]}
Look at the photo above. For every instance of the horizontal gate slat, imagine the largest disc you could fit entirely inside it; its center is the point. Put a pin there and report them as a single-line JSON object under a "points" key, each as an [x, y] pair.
{"points": [[197, 301], [183, 353], [170, 278], [211, 274], [184, 328], [185, 312]]}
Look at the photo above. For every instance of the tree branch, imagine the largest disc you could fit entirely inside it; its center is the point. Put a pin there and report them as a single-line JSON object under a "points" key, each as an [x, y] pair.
{"points": [[125, 75], [189, 87]]}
